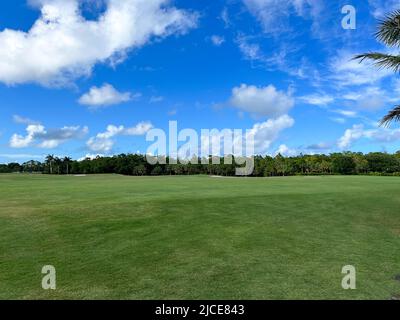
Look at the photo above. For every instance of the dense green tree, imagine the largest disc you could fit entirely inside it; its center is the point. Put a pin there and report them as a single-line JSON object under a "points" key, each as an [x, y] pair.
{"points": [[157, 171], [343, 164], [49, 163], [362, 166], [139, 170], [58, 165], [281, 165], [32, 166], [382, 162], [269, 167], [14, 167], [67, 162], [4, 168], [265, 166]]}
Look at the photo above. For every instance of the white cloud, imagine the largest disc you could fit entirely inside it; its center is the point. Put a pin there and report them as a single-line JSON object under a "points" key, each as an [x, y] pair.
{"points": [[156, 99], [273, 14], [275, 19], [91, 156], [61, 45], [284, 150], [351, 135], [263, 134], [357, 132], [105, 96], [103, 142], [225, 17], [139, 130], [217, 40], [346, 113], [250, 51], [396, 85], [100, 145], [19, 141], [262, 101], [38, 136], [266, 133], [349, 72], [268, 12], [23, 120], [280, 58], [371, 98], [379, 8], [318, 100], [21, 156]]}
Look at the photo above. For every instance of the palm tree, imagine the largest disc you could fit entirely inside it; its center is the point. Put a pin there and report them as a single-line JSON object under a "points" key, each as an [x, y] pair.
{"points": [[58, 163], [67, 161], [49, 162], [388, 33]]}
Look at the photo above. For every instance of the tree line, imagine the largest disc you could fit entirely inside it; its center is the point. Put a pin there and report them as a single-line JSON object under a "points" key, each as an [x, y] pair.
{"points": [[347, 163]]}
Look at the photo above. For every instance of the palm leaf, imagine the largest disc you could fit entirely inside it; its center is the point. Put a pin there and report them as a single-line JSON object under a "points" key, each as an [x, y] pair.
{"points": [[389, 29], [393, 115], [381, 60], [388, 33]]}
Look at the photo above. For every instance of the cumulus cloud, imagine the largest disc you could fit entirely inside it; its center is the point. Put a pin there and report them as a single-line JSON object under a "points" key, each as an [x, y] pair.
{"points": [[104, 96], [284, 150], [268, 132], [100, 145], [261, 136], [38, 136], [357, 132], [62, 45], [261, 101], [103, 141]]}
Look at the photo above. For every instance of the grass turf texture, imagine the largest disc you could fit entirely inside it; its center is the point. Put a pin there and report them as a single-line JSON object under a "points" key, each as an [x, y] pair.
{"points": [[115, 237]]}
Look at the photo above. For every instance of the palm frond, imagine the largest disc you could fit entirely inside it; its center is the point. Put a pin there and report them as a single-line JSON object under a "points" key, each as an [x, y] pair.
{"points": [[388, 33], [389, 29], [381, 60], [393, 115]]}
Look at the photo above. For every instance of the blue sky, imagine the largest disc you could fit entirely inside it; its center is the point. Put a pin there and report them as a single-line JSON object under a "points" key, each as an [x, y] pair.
{"points": [[92, 77]]}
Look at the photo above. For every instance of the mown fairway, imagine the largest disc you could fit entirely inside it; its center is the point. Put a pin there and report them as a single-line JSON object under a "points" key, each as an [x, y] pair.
{"points": [[114, 237]]}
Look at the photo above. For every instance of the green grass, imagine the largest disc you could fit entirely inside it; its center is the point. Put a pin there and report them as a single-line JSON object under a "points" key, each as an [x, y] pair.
{"points": [[114, 237]]}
